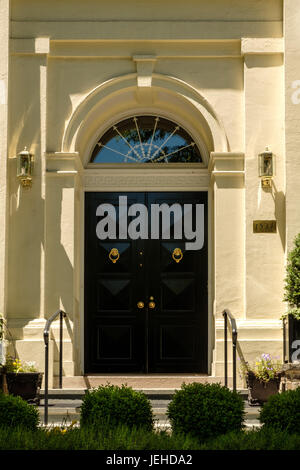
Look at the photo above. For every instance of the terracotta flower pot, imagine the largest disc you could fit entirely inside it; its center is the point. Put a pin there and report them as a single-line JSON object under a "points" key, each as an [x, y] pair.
{"points": [[259, 391], [27, 385]]}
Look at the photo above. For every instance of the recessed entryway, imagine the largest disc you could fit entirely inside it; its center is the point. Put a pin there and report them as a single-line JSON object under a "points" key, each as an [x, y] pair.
{"points": [[146, 300]]}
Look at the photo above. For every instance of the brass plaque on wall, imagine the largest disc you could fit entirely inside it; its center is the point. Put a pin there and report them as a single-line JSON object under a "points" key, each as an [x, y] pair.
{"points": [[264, 226]]}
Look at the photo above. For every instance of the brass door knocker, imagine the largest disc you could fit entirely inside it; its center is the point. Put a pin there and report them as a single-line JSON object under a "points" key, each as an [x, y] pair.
{"points": [[177, 255], [114, 255]]}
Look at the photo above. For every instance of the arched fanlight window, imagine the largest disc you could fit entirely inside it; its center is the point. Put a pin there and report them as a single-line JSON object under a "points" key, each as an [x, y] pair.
{"points": [[146, 139]]}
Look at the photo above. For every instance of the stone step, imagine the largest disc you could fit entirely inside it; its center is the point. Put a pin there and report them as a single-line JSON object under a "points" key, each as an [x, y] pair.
{"points": [[64, 416], [64, 405], [64, 412], [152, 393], [139, 381]]}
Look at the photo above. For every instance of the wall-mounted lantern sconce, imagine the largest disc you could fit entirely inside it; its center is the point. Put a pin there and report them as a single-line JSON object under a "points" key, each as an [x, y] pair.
{"points": [[25, 168], [266, 165]]}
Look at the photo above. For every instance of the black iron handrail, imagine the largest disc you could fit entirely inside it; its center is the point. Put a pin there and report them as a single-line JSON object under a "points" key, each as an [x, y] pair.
{"points": [[284, 322], [287, 329], [1, 328], [62, 315], [234, 334]]}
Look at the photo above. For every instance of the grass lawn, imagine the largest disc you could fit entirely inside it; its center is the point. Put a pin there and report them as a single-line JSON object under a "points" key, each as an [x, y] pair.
{"points": [[122, 438]]}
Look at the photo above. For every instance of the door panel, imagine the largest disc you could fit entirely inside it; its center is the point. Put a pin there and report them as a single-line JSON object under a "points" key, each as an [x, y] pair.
{"points": [[114, 327], [119, 336], [178, 324]]}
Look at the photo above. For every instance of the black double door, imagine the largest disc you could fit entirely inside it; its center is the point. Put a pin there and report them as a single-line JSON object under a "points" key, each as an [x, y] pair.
{"points": [[145, 299]]}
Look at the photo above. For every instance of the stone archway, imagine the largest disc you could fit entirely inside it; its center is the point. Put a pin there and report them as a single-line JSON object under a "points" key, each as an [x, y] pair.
{"points": [[120, 97]]}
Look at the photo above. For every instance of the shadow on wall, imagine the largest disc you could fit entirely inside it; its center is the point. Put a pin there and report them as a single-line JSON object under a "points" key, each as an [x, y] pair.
{"points": [[59, 254], [279, 203], [29, 237], [59, 269], [26, 240], [26, 206]]}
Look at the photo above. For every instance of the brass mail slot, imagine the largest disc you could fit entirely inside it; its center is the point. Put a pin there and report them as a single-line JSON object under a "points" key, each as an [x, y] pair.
{"points": [[264, 226]]}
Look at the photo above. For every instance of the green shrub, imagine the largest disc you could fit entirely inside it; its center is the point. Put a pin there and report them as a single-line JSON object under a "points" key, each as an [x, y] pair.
{"points": [[282, 412], [292, 280], [205, 410], [17, 412], [116, 405]]}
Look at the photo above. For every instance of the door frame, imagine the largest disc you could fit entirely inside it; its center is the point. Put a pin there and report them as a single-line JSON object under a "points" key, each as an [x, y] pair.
{"points": [[184, 179]]}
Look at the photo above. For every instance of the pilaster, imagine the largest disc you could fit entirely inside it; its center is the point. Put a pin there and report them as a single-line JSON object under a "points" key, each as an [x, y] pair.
{"points": [[264, 124], [4, 75], [292, 117], [227, 169]]}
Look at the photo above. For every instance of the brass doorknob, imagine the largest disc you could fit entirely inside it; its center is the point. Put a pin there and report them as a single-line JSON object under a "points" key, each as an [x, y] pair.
{"points": [[151, 305], [140, 304]]}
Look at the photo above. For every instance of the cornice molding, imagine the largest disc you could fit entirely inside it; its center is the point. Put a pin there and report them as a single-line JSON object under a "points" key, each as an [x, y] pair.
{"points": [[38, 45], [63, 163], [226, 162], [262, 46]]}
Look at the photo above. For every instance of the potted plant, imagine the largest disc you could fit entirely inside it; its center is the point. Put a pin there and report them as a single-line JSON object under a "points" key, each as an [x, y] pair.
{"points": [[262, 378], [3, 385], [22, 379], [292, 296]]}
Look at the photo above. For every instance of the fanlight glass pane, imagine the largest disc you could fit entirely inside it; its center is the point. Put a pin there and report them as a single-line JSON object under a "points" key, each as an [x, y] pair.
{"points": [[146, 139]]}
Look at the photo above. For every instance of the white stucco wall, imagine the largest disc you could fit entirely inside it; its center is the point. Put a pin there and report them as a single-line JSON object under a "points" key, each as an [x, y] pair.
{"points": [[73, 69]]}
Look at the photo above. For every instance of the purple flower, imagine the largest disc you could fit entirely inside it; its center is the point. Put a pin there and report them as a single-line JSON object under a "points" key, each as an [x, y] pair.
{"points": [[266, 356]]}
